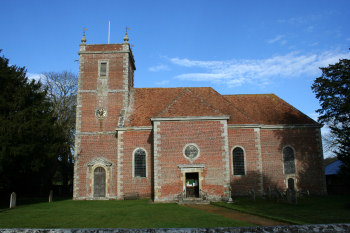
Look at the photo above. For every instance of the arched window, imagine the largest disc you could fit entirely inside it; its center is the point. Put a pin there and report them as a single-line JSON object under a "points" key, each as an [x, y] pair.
{"points": [[238, 161], [140, 163], [288, 160]]}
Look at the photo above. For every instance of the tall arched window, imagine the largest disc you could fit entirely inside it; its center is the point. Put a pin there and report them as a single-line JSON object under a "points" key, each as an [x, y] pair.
{"points": [[238, 161], [140, 163], [288, 160]]}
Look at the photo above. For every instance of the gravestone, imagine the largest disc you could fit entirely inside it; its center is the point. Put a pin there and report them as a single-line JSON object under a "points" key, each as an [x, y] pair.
{"points": [[50, 196], [13, 200], [230, 197], [252, 194], [294, 198], [268, 193], [277, 194], [289, 196]]}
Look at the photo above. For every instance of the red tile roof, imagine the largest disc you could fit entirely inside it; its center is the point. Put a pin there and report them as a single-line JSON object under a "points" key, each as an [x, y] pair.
{"points": [[187, 103], [269, 109], [205, 101]]}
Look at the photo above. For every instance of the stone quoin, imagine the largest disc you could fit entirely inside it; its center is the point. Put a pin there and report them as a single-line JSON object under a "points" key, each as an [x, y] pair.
{"points": [[189, 142]]}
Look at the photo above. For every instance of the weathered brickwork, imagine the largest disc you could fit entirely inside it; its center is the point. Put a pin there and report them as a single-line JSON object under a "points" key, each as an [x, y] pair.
{"points": [[247, 140], [96, 142], [174, 136], [102, 147], [308, 156], [163, 122], [133, 140]]}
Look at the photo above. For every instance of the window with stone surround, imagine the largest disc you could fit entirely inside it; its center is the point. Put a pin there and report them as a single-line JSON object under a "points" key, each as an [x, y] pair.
{"points": [[288, 160], [238, 161], [103, 68], [140, 163]]}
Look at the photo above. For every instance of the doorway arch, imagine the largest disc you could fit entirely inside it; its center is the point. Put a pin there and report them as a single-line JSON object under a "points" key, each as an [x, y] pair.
{"points": [[99, 182]]}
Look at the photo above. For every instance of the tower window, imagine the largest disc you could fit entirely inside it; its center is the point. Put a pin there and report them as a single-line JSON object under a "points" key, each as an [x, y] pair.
{"points": [[103, 69], [238, 161]]}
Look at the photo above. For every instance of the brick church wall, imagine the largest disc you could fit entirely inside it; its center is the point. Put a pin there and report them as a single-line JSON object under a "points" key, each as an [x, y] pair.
{"points": [[170, 140], [128, 183], [96, 142], [96, 147], [247, 139], [308, 153]]}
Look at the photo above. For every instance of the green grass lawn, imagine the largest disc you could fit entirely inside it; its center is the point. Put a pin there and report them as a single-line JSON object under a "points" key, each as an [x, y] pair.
{"points": [[109, 214], [312, 210]]}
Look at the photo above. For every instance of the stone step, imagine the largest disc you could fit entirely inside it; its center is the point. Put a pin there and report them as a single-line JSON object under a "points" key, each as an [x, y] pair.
{"points": [[193, 201]]}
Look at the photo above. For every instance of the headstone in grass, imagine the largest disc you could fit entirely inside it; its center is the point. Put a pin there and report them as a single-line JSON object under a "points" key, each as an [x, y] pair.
{"points": [[277, 194], [230, 196], [294, 197], [50, 196], [268, 193], [289, 196], [252, 194], [13, 200]]}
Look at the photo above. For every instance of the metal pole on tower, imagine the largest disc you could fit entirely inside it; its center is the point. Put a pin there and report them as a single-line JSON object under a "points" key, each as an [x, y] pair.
{"points": [[109, 30]]}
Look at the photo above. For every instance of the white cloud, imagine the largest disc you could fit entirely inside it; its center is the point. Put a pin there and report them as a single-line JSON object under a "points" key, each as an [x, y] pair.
{"points": [[162, 83], [276, 39], [158, 68], [293, 20], [36, 77], [261, 72]]}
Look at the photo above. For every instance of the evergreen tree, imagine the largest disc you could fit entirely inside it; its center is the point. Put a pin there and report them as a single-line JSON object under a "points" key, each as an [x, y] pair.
{"points": [[333, 91], [28, 141]]}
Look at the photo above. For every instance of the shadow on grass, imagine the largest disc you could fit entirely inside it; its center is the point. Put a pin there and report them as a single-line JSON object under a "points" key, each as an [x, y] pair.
{"points": [[22, 201], [309, 210]]}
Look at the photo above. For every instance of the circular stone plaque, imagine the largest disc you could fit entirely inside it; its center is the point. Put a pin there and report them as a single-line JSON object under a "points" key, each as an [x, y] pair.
{"points": [[191, 151]]}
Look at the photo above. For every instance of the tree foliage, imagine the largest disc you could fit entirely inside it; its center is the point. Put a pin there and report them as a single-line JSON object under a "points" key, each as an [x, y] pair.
{"points": [[333, 91], [27, 132], [62, 90]]}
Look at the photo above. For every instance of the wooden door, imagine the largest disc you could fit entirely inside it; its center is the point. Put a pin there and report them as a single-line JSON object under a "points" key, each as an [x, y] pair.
{"points": [[99, 182]]}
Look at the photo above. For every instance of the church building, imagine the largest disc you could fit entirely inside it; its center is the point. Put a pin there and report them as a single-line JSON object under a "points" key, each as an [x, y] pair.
{"points": [[173, 144]]}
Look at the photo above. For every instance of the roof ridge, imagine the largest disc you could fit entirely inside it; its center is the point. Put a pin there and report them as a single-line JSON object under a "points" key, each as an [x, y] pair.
{"points": [[250, 94], [168, 87], [173, 101], [211, 106], [230, 103], [294, 108], [193, 93]]}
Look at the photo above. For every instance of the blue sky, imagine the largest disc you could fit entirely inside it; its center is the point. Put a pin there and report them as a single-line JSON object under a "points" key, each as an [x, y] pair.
{"points": [[236, 47]]}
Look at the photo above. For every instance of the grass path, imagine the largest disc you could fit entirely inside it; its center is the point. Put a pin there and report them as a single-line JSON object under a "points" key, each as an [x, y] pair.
{"points": [[237, 215], [313, 210], [110, 214]]}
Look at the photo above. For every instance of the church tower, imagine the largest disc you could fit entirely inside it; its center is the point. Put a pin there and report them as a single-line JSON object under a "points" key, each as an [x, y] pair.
{"points": [[106, 78]]}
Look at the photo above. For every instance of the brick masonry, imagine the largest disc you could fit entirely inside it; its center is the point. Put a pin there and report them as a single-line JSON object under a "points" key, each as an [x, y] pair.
{"points": [[106, 142]]}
